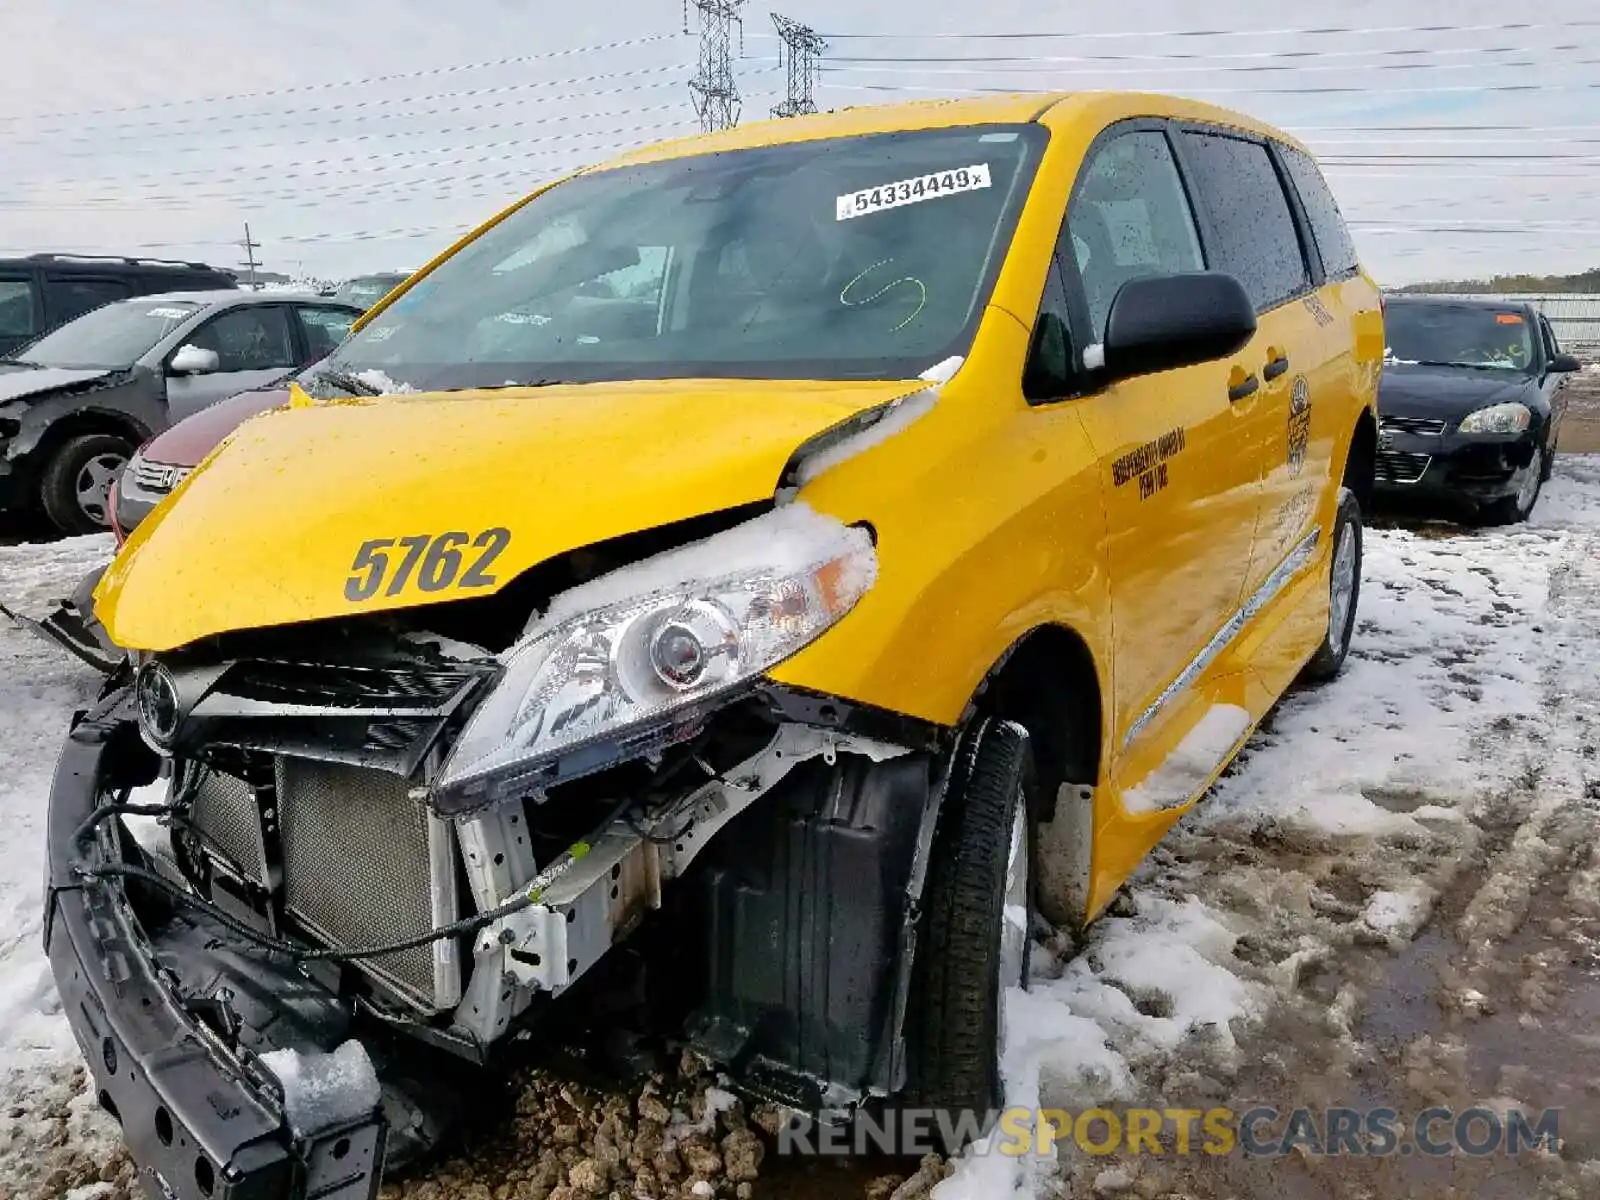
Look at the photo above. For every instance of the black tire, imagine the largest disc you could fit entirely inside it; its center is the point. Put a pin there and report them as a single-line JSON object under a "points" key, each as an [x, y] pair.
{"points": [[954, 1019], [1515, 509], [59, 485], [1328, 661]]}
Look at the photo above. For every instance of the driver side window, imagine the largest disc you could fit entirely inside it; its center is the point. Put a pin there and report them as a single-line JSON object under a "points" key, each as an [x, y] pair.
{"points": [[1129, 218], [248, 339]]}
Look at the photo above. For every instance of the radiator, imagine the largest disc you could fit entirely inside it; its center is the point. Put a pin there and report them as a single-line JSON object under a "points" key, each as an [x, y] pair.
{"points": [[228, 820], [364, 864]]}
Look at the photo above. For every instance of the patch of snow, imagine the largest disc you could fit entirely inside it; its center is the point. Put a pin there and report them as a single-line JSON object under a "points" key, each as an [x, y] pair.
{"points": [[322, 1090], [1399, 916], [385, 386], [1191, 763], [945, 371], [898, 415], [1113, 1180]]}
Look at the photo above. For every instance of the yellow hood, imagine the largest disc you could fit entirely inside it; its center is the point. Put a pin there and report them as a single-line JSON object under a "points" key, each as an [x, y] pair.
{"points": [[271, 530]]}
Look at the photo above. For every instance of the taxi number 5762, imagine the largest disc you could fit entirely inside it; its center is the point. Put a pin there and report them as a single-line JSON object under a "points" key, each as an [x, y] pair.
{"points": [[435, 560]]}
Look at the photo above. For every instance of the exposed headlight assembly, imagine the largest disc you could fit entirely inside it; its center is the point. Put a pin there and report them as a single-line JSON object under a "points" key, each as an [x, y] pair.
{"points": [[616, 660], [1497, 418]]}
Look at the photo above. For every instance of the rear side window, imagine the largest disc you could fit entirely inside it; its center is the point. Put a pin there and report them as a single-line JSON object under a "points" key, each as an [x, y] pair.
{"points": [[66, 299], [1253, 233], [323, 329], [1327, 222], [16, 308]]}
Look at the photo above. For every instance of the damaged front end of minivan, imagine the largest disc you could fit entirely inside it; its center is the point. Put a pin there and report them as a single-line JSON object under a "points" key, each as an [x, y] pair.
{"points": [[305, 878]]}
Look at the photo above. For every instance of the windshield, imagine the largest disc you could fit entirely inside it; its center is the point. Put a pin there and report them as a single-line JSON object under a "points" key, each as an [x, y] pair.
{"points": [[114, 335], [368, 291], [1458, 335], [863, 257]]}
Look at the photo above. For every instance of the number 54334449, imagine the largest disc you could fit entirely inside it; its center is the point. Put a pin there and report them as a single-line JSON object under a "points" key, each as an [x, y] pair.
{"points": [[433, 561]]}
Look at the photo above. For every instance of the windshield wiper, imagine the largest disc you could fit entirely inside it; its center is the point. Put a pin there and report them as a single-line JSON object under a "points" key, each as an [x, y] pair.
{"points": [[348, 383]]}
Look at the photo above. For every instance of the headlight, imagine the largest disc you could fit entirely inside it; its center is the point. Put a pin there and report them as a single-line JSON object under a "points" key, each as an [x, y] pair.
{"points": [[1497, 418], [627, 653]]}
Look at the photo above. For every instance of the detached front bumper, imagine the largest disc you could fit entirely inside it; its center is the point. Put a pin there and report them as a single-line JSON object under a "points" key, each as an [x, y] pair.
{"points": [[1451, 466], [202, 1121]]}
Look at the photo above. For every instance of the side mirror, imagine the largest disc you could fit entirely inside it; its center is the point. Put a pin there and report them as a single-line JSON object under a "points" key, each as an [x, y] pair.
{"points": [[192, 360], [1161, 322], [1564, 364]]}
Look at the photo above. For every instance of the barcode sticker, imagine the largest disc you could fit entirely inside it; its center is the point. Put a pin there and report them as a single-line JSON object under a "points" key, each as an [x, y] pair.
{"points": [[912, 191]]}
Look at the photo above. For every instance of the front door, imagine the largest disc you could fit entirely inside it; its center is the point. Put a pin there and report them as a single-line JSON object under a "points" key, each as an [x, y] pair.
{"points": [[254, 347], [1179, 470]]}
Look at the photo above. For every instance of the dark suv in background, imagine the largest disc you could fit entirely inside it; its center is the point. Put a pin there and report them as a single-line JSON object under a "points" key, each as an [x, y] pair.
{"points": [[43, 291]]}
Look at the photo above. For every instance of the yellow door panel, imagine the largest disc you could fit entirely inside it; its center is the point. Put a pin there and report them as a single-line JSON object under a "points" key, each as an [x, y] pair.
{"points": [[1182, 489], [1160, 777], [1293, 471]]}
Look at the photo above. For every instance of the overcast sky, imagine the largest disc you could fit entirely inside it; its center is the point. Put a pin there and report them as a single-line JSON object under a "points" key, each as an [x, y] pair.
{"points": [[364, 134]]}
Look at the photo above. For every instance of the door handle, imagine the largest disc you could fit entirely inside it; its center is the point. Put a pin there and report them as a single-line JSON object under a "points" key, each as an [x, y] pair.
{"points": [[1275, 367], [1245, 387]]}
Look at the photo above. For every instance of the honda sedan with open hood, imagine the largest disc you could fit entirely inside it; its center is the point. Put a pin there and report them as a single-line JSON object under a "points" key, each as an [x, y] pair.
{"points": [[727, 599]]}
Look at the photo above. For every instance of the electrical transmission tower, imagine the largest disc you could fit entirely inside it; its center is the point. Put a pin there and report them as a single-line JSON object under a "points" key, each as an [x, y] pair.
{"points": [[801, 49], [716, 97]]}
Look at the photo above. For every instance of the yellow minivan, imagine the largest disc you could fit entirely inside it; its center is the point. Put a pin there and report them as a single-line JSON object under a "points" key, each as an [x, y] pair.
{"points": [[748, 585]]}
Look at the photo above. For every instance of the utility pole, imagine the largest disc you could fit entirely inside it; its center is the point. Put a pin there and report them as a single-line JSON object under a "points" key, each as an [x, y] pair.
{"points": [[716, 97], [250, 249], [801, 49]]}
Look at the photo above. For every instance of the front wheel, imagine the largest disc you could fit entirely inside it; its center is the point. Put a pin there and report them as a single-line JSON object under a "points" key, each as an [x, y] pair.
{"points": [[1344, 591], [1518, 507], [976, 926], [75, 488]]}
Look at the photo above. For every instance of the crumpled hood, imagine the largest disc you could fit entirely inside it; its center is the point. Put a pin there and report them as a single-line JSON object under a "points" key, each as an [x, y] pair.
{"points": [[279, 526], [18, 382], [1446, 393]]}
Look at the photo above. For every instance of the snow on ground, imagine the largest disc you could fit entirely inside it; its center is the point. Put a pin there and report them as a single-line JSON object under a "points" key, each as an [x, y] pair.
{"points": [[1348, 815], [41, 1096], [1388, 841]]}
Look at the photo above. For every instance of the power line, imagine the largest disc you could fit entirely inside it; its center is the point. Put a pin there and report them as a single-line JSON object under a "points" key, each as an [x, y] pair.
{"points": [[801, 49], [716, 95], [328, 85], [1314, 31], [383, 160], [254, 149], [359, 106], [1295, 56], [1248, 91], [1299, 68]]}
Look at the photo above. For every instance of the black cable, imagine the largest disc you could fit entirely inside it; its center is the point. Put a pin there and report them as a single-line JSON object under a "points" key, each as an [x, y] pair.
{"points": [[462, 928]]}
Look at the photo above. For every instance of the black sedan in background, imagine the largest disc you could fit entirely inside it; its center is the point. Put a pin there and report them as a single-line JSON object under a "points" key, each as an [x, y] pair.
{"points": [[1469, 404]]}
